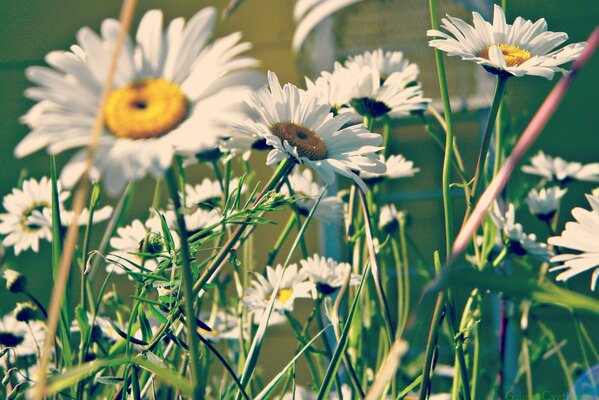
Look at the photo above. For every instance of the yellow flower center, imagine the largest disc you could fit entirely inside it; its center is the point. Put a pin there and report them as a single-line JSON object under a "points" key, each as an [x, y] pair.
{"points": [[513, 55], [145, 109], [309, 144], [284, 294], [26, 226]]}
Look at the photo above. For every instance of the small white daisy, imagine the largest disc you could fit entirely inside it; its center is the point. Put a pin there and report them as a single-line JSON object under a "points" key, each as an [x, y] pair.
{"points": [[25, 338], [389, 217], [544, 203], [397, 167], [130, 242], [334, 88], [330, 208], [195, 220], [224, 325], [523, 48], [387, 63], [327, 274], [518, 242], [168, 86], [208, 192], [559, 170], [297, 126], [293, 285], [21, 230], [582, 236]]}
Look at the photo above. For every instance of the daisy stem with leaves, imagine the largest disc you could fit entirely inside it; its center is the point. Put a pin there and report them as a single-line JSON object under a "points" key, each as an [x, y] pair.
{"points": [[187, 279]]}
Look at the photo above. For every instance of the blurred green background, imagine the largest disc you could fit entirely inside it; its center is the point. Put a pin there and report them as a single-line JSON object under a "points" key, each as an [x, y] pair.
{"points": [[30, 29]]}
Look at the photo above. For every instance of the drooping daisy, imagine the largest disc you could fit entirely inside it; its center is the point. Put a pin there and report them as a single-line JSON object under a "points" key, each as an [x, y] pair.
{"points": [[387, 63], [327, 274], [389, 217], [559, 170], [523, 48], [330, 208], [129, 243], [297, 126], [583, 237], [172, 92], [397, 167], [21, 231], [544, 203], [293, 285], [518, 242], [24, 338]]}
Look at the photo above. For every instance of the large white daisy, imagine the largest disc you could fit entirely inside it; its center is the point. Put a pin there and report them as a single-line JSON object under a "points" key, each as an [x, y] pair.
{"points": [[172, 92], [559, 170], [523, 48], [582, 236], [330, 208], [298, 126], [293, 285], [327, 274], [518, 242]]}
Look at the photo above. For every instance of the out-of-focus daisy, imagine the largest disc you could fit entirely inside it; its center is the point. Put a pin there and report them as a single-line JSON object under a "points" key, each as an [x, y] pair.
{"points": [[208, 193], [195, 220], [559, 170], [330, 208], [334, 88], [297, 126], [293, 285], [583, 237], [224, 326], [309, 13], [523, 48], [327, 274], [518, 242], [168, 86], [387, 63], [389, 217], [397, 167], [544, 203], [21, 231], [129, 243], [24, 338]]}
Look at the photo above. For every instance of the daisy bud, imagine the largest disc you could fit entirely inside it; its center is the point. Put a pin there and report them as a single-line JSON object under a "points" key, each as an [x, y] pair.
{"points": [[25, 312], [15, 281]]}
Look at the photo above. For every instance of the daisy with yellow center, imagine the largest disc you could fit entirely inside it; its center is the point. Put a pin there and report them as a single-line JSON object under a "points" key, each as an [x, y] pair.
{"points": [[173, 92], [292, 285], [523, 48], [297, 125]]}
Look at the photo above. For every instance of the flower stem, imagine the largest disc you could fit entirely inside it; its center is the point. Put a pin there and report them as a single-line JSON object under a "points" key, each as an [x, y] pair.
{"points": [[482, 155], [220, 258], [187, 278]]}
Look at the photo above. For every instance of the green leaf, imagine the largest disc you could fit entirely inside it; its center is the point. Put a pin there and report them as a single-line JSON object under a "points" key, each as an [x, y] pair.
{"points": [[109, 380]]}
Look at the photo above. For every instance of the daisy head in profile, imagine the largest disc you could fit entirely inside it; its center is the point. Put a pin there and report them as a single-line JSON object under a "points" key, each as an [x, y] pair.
{"points": [[522, 48], [581, 237], [298, 126], [172, 92], [327, 274]]}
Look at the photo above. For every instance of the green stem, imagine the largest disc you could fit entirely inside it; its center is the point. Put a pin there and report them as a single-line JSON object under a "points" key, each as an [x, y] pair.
{"points": [[386, 135], [272, 255], [187, 279], [283, 169], [482, 155]]}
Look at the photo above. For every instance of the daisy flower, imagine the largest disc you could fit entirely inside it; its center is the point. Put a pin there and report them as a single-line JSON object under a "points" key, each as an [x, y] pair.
{"points": [[330, 208], [561, 171], [327, 274], [168, 86], [387, 63], [195, 220], [24, 338], [334, 88], [389, 217], [208, 192], [130, 242], [518, 242], [293, 285], [397, 167], [224, 326], [583, 237], [544, 203], [523, 48], [29, 216], [299, 127]]}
